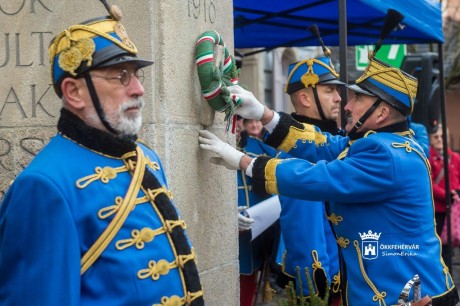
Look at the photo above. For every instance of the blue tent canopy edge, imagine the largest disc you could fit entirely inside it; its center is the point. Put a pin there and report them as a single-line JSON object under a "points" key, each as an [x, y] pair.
{"points": [[274, 23]]}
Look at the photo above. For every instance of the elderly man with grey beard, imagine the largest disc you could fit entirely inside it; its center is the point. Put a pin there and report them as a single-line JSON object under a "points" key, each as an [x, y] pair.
{"points": [[90, 221]]}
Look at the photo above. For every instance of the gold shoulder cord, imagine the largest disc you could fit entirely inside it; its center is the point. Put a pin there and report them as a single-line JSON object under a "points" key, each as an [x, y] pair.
{"points": [[117, 222]]}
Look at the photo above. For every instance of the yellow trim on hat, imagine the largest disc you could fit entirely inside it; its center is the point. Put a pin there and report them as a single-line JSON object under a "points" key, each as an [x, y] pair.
{"points": [[78, 32], [309, 62], [80, 37], [391, 77]]}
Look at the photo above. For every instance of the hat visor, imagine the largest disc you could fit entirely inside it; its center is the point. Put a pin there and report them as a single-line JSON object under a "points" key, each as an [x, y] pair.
{"points": [[331, 82], [140, 63], [360, 90]]}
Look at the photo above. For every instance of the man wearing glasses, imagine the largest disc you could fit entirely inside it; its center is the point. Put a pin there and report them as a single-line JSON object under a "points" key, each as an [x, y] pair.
{"points": [[90, 221]]}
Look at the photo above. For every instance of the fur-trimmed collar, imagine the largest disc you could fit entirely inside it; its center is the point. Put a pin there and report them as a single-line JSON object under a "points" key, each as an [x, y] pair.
{"points": [[70, 126]]}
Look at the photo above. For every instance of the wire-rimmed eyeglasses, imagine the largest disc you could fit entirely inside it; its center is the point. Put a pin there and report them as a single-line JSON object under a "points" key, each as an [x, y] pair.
{"points": [[124, 76]]}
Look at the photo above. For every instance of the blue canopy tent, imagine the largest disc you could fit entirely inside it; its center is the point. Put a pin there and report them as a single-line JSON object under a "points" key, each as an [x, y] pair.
{"points": [[268, 24], [274, 23]]}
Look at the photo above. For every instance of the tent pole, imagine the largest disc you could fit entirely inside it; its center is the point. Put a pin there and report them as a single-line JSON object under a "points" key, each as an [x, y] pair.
{"points": [[445, 155], [343, 47]]}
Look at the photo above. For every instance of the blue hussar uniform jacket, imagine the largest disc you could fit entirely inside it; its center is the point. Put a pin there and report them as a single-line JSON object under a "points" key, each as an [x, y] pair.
{"points": [[381, 205], [252, 254], [308, 237], [421, 135], [64, 202]]}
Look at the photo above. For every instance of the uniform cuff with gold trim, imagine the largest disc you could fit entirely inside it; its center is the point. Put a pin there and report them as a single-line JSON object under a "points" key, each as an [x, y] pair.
{"points": [[264, 175], [282, 130]]}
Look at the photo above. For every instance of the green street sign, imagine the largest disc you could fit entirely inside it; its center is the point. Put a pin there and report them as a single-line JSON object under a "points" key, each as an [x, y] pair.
{"points": [[390, 54]]}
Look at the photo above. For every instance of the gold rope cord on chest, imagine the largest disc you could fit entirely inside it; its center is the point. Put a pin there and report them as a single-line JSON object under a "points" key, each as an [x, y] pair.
{"points": [[146, 235], [103, 174]]}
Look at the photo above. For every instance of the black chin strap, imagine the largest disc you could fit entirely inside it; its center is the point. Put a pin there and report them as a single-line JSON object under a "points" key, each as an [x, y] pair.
{"points": [[318, 104], [364, 117], [97, 103]]}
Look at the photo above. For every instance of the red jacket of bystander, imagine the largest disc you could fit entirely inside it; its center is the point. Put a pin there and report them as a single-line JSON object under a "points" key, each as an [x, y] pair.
{"points": [[437, 166]]}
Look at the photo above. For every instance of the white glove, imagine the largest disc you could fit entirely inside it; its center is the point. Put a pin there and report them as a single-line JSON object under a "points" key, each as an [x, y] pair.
{"points": [[244, 223], [250, 107], [228, 156]]}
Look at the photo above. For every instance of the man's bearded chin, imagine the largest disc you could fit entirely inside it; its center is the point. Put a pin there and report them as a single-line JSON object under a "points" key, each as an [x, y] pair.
{"points": [[125, 123]]}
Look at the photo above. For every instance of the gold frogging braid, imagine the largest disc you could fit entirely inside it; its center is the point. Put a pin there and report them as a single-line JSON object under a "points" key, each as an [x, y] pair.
{"points": [[343, 242], [103, 174], [378, 296], [316, 265], [118, 220], [336, 283], [162, 267], [335, 219], [175, 300]]}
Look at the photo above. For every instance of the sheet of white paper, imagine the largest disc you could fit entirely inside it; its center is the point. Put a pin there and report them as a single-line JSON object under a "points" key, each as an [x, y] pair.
{"points": [[264, 214]]}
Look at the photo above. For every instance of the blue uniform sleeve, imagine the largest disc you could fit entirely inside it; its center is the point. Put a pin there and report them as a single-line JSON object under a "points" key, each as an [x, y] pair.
{"points": [[39, 246], [305, 141], [367, 171]]}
